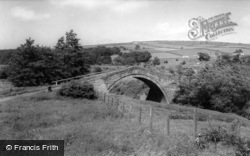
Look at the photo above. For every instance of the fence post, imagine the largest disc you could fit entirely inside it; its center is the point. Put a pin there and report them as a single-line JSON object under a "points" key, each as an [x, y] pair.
{"points": [[195, 123], [130, 111], [151, 119], [108, 99], [117, 104], [123, 109], [112, 101], [195, 127], [139, 119], [168, 126]]}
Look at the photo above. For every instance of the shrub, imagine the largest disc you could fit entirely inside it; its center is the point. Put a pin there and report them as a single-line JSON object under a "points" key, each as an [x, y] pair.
{"points": [[166, 61], [156, 61], [203, 56], [137, 47], [97, 69], [220, 88], [227, 136], [77, 89], [3, 73], [171, 70]]}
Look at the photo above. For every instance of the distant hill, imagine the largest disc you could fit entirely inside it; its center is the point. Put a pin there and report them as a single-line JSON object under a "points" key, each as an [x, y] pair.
{"points": [[165, 49], [183, 49]]}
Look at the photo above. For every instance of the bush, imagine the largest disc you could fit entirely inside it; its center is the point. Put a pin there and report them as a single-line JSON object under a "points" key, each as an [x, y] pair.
{"points": [[220, 88], [227, 136], [77, 89], [3, 73], [137, 47], [171, 70], [166, 61], [97, 69], [156, 61], [133, 57], [203, 56]]}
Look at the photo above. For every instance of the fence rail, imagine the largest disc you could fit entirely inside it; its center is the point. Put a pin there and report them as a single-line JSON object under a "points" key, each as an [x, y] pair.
{"points": [[84, 76]]}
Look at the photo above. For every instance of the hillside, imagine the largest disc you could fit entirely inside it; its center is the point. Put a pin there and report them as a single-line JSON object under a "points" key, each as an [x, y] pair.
{"points": [[179, 49], [166, 50], [100, 130]]}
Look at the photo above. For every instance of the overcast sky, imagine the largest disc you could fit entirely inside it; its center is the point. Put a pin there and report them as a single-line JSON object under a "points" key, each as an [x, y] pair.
{"points": [[112, 21]]}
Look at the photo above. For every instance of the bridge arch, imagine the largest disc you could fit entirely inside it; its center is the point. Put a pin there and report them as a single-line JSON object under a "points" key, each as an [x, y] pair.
{"points": [[156, 92]]}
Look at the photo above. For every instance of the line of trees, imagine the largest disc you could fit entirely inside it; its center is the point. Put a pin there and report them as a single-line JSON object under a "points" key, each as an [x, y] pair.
{"points": [[33, 65], [132, 58]]}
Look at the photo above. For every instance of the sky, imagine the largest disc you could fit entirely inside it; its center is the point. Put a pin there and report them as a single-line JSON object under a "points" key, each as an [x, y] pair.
{"points": [[114, 21]]}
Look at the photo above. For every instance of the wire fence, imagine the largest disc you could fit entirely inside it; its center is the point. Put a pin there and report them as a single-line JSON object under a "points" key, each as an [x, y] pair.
{"points": [[149, 112]]}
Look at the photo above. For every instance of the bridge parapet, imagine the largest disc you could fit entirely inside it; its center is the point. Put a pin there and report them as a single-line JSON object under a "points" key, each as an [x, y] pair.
{"points": [[162, 78]]}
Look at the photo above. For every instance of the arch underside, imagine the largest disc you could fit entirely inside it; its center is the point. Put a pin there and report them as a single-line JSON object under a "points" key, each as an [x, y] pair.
{"points": [[156, 92]]}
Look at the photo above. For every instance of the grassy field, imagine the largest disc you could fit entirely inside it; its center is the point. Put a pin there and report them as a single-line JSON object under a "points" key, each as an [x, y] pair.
{"points": [[95, 128], [4, 84], [177, 49]]}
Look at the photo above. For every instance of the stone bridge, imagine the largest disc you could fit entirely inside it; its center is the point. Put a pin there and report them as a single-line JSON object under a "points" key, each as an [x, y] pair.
{"points": [[160, 83]]}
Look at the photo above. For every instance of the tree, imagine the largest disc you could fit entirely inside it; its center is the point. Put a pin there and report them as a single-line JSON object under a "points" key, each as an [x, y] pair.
{"points": [[32, 65], [156, 61], [183, 62], [60, 44], [116, 51], [72, 42], [137, 47], [3, 73], [135, 57], [73, 61], [224, 88], [203, 56], [100, 54], [118, 60], [5, 55], [142, 56], [106, 59], [129, 61]]}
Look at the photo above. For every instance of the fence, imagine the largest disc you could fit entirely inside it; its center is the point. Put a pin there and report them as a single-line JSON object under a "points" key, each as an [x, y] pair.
{"points": [[126, 110], [57, 82]]}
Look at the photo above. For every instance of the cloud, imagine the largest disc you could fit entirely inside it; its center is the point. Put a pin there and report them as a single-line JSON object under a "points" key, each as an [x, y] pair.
{"points": [[88, 4], [168, 29], [129, 6], [122, 6], [165, 30], [28, 14], [246, 20]]}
